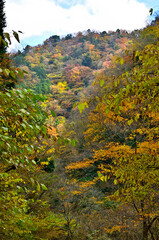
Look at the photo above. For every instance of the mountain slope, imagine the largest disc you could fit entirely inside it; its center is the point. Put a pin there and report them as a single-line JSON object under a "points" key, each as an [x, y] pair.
{"points": [[62, 68]]}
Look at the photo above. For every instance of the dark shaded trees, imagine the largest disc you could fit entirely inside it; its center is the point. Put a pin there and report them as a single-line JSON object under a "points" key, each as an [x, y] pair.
{"points": [[2, 25]]}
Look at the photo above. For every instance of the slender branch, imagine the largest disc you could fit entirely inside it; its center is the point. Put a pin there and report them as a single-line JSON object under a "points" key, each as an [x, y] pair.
{"points": [[135, 206], [10, 168], [151, 234], [153, 220]]}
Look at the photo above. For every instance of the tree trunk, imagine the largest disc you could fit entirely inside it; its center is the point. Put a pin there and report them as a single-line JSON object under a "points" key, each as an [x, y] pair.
{"points": [[145, 230]]}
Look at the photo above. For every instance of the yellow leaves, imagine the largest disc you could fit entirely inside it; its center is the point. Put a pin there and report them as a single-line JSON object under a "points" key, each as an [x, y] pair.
{"points": [[32, 65], [118, 118], [101, 154], [6, 72], [82, 106], [118, 228], [44, 163], [101, 82], [149, 132], [62, 120], [76, 192], [100, 121], [86, 184], [18, 133], [154, 115], [121, 61], [137, 117], [150, 147], [98, 202], [115, 181], [44, 142], [38, 187], [112, 150], [100, 76], [128, 104], [45, 104], [80, 187], [77, 165], [54, 76], [52, 131], [95, 55], [130, 122], [62, 86], [103, 178], [51, 151]]}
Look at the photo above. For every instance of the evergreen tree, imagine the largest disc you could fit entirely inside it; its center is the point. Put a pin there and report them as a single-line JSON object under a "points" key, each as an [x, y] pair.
{"points": [[2, 24]]}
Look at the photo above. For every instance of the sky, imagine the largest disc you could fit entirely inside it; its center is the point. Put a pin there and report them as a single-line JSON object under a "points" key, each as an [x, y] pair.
{"points": [[40, 19]]}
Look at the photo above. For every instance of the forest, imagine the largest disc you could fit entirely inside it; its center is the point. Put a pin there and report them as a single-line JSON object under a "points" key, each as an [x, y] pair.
{"points": [[79, 136]]}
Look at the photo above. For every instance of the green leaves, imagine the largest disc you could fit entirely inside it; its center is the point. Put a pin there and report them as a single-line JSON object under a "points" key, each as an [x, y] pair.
{"points": [[12, 74], [38, 187], [107, 110], [43, 187], [19, 121], [130, 122], [82, 106], [71, 141], [101, 83], [7, 36], [22, 129], [15, 34], [115, 181], [53, 113], [121, 61], [6, 72], [102, 177]]}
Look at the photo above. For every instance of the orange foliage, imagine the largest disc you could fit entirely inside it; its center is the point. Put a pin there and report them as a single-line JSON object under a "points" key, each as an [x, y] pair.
{"points": [[52, 131], [122, 42], [82, 164]]}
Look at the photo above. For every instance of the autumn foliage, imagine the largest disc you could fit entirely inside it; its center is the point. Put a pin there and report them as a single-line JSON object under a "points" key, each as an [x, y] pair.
{"points": [[79, 138]]}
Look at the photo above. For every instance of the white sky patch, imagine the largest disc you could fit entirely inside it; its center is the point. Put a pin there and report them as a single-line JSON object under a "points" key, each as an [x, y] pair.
{"points": [[122, 14], [36, 17]]}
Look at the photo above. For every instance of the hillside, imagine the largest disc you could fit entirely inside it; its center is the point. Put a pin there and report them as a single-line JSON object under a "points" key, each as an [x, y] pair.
{"points": [[63, 68], [93, 139]]}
